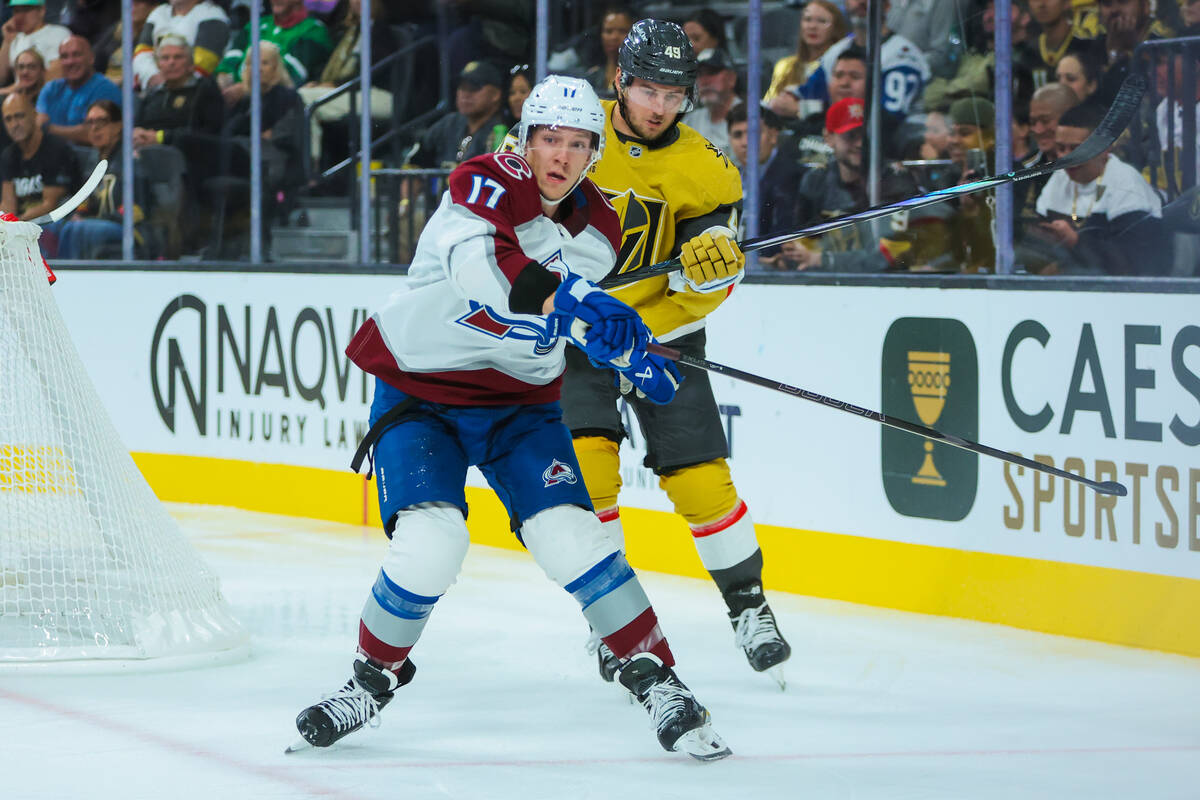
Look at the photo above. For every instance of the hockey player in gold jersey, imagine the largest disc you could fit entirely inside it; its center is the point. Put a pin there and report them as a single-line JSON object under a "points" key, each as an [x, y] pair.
{"points": [[676, 194]]}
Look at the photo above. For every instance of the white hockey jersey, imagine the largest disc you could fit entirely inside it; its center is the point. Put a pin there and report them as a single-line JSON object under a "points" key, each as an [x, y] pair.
{"points": [[448, 334], [904, 70]]}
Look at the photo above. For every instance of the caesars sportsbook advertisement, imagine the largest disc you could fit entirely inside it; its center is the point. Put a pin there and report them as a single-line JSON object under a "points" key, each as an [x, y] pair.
{"points": [[1105, 385]]}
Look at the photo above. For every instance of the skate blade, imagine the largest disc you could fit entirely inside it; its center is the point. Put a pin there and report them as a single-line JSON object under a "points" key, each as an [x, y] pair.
{"points": [[703, 744], [776, 673], [298, 745]]}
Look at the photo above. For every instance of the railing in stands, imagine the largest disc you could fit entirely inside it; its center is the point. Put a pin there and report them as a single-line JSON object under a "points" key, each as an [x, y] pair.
{"points": [[401, 97], [1172, 152]]}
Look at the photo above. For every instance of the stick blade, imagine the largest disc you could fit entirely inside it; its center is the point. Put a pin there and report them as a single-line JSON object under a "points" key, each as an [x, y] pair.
{"points": [[1116, 120], [1111, 487]]}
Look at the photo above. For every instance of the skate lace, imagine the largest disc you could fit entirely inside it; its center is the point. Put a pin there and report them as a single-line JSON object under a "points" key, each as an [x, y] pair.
{"points": [[753, 628], [665, 701], [351, 705]]}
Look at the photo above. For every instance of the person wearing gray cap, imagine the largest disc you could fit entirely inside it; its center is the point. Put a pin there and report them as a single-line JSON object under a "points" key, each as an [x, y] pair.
{"points": [[715, 84]]}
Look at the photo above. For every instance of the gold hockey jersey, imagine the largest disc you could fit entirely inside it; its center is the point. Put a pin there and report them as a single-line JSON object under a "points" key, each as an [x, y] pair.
{"points": [[664, 196]]}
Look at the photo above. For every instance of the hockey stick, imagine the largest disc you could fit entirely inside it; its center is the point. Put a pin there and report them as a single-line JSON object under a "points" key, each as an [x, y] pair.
{"points": [[84, 193], [1122, 110], [1103, 487]]}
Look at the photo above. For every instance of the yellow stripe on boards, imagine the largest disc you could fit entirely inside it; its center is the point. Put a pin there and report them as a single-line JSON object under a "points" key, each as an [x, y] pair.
{"points": [[1108, 605]]}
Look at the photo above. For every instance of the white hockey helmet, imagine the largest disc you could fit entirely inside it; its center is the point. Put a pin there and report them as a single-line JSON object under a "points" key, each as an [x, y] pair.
{"points": [[559, 101]]}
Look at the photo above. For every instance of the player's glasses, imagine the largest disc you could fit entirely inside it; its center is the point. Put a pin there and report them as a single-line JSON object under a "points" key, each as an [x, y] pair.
{"points": [[660, 101]]}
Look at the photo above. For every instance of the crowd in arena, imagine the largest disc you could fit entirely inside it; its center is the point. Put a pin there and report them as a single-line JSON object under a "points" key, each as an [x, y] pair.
{"points": [[60, 79]]}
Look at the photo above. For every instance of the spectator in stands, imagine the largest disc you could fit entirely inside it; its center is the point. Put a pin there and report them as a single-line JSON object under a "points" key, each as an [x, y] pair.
{"points": [[821, 24], [849, 77], [904, 71], [30, 70], [343, 66], [936, 142], [1059, 38], [1080, 72], [973, 151], [25, 29], [1048, 104], [1101, 216], [840, 188], [934, 148], [39, 169], [520, 84], [181, 104], [64, 102], [1168, 143], [715, 82], [974, 72], [1189, 12], [303, 41], [1127, 23], [107, 45], [705, 29], [477, 127], [96, 224], [201, 23], [927, 23], [778, 173], [601, 65], [282, 110]]}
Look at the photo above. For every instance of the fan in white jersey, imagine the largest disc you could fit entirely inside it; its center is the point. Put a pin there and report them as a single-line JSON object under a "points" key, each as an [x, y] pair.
{"points": [[467, 358], [905, 70]]}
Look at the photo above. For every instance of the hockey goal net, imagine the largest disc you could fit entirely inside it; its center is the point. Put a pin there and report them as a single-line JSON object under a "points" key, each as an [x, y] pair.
{"points": [[91, 564]]}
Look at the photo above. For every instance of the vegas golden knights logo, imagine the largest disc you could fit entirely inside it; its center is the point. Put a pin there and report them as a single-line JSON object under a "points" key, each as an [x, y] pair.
{"points": [[641, 228], [930, 374]]}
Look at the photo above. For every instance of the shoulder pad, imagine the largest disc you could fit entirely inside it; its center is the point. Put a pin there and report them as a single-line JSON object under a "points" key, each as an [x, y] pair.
{"points": [[496, 186]]}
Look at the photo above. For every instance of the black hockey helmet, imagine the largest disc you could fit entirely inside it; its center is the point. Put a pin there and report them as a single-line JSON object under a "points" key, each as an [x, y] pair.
{"points": [[660, 52]]}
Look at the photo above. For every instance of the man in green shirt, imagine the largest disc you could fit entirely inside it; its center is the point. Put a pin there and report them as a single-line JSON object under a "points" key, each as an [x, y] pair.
{"points": [[303, 42]]}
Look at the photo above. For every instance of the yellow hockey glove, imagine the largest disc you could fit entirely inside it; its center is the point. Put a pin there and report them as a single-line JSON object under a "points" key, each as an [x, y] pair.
{"points": [[711, 262]]}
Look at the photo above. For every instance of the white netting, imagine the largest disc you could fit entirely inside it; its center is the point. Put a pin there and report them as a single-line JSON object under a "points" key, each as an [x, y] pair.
{"points": [[91, 564]]}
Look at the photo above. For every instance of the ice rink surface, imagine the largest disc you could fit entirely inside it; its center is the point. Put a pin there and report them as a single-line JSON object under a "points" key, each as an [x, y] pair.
{"points": [[506, 704]]}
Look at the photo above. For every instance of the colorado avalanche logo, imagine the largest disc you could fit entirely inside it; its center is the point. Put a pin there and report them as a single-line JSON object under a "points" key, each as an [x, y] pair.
{"points": [[490, 322], [558, 472], [543, 332]]}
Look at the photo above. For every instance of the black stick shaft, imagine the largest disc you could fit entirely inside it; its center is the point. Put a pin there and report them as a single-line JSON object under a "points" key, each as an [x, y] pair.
{"points": [[1119, 114], [1103, 487]]}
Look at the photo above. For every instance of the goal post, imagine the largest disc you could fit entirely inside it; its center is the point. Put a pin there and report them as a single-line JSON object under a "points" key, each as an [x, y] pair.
{"points": [[92, 567]]}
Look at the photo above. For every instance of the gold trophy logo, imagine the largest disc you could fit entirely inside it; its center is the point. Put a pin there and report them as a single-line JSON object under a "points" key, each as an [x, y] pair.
{"points": [[928, 383]]}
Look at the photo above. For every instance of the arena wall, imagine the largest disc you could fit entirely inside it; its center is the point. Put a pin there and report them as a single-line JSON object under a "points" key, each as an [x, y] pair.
{"points": [[232, 389]]}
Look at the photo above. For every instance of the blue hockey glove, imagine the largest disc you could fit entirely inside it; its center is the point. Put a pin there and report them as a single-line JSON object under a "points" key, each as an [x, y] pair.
{"points": [[654, 377], [603, 327]]}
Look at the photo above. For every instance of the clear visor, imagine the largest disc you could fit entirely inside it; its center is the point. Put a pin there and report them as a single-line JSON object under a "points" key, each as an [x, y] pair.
{"points": [[549, 139], [660, 99]]}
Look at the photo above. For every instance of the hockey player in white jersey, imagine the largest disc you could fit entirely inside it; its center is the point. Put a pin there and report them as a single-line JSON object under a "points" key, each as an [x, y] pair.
{"points": [[467, 358]]}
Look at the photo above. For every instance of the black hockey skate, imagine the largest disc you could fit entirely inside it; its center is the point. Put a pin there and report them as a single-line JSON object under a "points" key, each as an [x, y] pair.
{"points": [[356, 704], [682, 724], [755, 631], [608, 664]]}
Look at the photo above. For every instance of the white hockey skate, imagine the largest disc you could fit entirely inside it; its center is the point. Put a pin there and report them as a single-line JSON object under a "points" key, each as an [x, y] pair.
{"points": [[682, 724], [356, 704], [756, 632]]}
